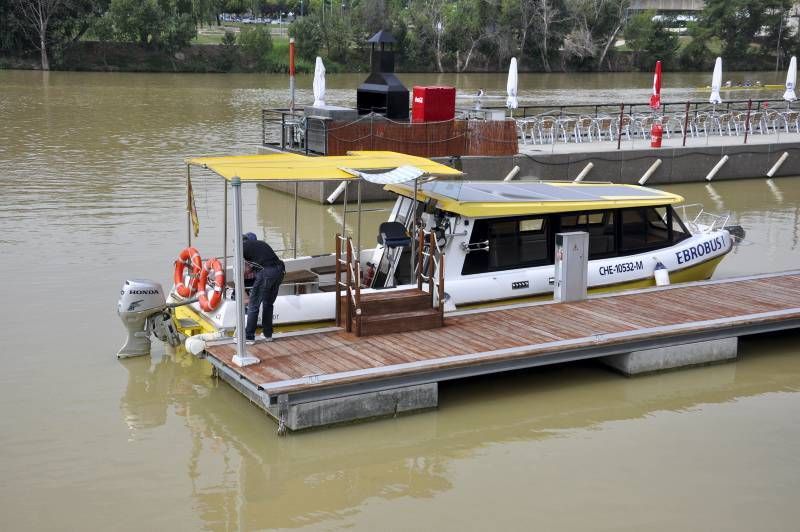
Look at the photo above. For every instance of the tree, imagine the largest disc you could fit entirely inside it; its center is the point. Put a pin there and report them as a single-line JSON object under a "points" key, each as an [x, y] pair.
{"points": [[137, 20], [36, 16], [748, 30], [596, 25], [648, 37], [12, 36], [307, 33], [546, 16], [256, 43], [466, 25], [164, 24]]}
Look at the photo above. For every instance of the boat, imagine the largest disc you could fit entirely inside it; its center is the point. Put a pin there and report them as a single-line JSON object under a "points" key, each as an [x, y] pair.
{"points": [[498, 238]]}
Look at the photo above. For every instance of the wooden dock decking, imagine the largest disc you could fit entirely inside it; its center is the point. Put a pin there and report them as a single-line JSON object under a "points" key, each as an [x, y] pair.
{"points": [[309, 366]]}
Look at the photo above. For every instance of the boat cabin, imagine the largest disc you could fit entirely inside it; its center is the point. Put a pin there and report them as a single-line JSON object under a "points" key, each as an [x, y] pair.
{"points": [[491, 226]]}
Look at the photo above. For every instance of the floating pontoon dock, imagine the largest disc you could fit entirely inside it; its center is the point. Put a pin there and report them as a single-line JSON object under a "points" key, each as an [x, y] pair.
{"points": [[315, 378]]}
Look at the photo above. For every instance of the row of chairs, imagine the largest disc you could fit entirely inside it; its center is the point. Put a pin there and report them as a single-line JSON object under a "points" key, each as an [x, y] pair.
{"points": [[551, 129], [738, 122]]}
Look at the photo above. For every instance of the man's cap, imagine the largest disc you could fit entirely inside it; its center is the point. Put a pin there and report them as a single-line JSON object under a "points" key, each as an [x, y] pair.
{"points": [[249, 236]]}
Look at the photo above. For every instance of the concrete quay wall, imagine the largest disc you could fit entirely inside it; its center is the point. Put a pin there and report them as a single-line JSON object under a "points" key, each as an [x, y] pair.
{"points": [[688, 164]]}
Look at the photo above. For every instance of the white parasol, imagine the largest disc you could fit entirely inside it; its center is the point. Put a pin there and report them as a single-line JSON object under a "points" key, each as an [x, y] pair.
{"points": [[791, 81], [511, 86], [716, 82], [319, 83]]}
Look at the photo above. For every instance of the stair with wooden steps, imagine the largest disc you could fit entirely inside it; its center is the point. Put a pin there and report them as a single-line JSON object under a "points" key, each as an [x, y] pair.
{"points": [[392, 311]]}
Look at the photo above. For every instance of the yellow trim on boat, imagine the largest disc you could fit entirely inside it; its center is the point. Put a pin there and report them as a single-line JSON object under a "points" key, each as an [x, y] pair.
{"points": [[478, 209], [298, 168], [189, 322]]}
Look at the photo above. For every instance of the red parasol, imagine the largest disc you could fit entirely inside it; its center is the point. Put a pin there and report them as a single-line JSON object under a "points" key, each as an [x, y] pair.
{"points": [[655, 99]]}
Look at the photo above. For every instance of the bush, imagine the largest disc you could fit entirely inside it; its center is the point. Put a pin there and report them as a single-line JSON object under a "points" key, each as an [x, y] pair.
{"points": [[695, 56], [256, 44], [650, 40], [308, 36], [229, 39], [178, 32]]}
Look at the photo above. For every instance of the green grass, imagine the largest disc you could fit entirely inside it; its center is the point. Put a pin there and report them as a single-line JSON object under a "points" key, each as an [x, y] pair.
{"points": [[208, 38], [214, 34]]}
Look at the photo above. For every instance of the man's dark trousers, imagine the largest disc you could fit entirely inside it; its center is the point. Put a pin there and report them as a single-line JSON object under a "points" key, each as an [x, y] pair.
{"points": [[263, 294]]}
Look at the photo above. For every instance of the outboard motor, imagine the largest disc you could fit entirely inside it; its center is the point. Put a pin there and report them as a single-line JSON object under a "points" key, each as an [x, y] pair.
{"points": [[143, 309]]}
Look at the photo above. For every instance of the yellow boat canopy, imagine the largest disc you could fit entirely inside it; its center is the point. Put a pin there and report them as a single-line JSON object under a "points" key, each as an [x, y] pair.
{"points": [[290, 167], [477, 199]]}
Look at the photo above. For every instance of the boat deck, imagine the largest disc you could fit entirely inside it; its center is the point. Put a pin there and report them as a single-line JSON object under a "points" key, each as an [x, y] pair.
{"points": [[315, 365]]}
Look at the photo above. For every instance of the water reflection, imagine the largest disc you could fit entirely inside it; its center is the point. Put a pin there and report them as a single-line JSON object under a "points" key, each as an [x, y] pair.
{"points": [[244, 476]]}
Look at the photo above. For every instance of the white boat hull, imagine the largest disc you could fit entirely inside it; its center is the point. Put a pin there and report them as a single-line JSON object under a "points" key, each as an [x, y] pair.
{"points": [[498, 286]]}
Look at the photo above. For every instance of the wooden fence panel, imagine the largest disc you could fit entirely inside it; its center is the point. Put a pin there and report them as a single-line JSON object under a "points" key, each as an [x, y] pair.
{"points": [[426, 139]]}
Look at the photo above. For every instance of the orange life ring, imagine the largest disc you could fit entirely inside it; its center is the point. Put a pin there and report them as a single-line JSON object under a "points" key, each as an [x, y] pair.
{"points": [[210, 303], [188, 257]]}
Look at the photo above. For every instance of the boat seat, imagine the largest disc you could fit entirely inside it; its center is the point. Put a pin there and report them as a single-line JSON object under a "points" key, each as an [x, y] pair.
{"points": [[393, 235]]}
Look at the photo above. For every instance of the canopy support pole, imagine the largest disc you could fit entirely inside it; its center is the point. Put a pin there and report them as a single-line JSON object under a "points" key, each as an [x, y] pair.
{"points": [[241, 358], [344, 211], [188, 206], [414, 233], [294, 244], [225, 227], [358, 237]]}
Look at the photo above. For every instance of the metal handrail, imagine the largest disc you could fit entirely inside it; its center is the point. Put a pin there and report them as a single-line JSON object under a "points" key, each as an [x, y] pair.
{"points": [[435, 257], [351, 284]]}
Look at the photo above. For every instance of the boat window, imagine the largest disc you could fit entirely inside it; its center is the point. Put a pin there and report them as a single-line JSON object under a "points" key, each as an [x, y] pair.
{"points": [[601, 229], [679, 231], [535, 224], [507, 244], [644, 228]]}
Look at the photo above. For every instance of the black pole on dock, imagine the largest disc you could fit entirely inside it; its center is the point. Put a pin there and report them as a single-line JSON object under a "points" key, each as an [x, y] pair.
{"points": [[686, 122], [747, 120], [619, 129]]}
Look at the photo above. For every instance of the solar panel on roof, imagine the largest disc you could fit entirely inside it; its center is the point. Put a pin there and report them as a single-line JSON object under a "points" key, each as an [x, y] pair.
{"points": [[500, 192]]}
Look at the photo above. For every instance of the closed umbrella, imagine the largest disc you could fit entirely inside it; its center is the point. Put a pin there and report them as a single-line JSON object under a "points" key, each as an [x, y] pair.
{"points": [[791, 81], [319, 83], [655, 98], [511, 85], [716, 82]]}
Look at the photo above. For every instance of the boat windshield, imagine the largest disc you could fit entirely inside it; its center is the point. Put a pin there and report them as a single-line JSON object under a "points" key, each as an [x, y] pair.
{"points": [[527, 241]]}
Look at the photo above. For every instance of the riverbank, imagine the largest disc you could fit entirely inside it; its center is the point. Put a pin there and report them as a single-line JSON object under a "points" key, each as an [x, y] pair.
{"points": [[95, 56], [92, 56]]}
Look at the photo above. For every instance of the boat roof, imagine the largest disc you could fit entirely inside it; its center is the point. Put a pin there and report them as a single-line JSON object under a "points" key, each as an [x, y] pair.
{"points": [[477, 199], [292, 167]]}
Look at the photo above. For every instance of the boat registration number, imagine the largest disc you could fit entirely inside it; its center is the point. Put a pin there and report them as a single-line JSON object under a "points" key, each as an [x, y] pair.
{"points": [[622, 267]]}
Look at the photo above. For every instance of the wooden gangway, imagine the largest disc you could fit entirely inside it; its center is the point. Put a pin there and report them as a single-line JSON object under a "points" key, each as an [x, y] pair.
{"points": [[324, 364]]}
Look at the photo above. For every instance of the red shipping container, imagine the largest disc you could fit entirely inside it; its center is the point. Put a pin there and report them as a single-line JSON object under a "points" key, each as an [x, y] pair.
{"points": [[433, 104]]}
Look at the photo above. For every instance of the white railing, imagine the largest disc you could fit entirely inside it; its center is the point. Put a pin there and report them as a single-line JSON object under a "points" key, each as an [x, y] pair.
{"points": [[700, 221]]}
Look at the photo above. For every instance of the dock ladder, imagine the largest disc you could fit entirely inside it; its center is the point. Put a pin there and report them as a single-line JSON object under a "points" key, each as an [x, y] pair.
{"points": [[385, 311]]}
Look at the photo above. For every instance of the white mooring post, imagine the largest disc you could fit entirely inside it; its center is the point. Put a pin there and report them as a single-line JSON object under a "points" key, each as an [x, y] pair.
{"points": [[571, 266], [241, 358]]}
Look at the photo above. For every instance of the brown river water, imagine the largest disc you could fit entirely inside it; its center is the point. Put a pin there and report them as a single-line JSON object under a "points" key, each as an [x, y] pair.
{"points": [[91, 193]]}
